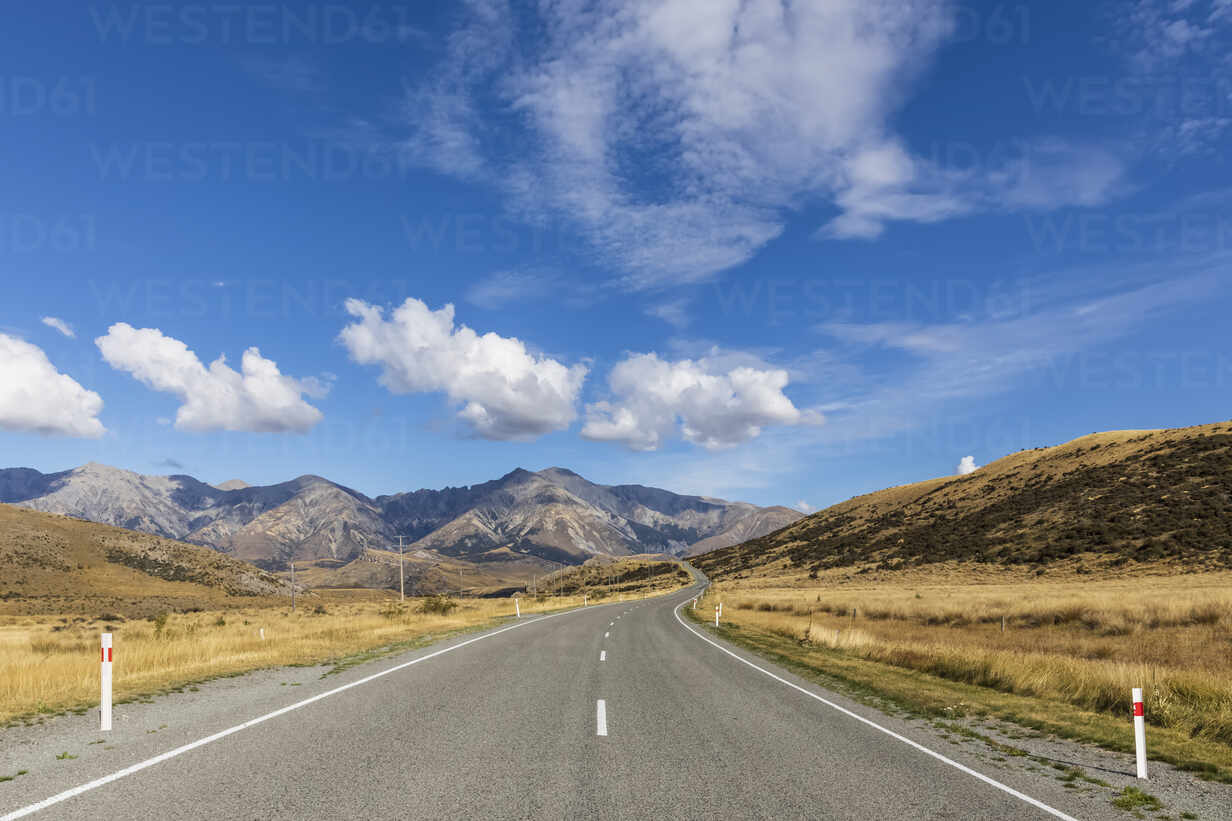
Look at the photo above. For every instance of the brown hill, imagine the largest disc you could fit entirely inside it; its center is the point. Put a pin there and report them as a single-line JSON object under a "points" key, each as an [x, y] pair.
{"points": [[1108, 498], [57, 564]]}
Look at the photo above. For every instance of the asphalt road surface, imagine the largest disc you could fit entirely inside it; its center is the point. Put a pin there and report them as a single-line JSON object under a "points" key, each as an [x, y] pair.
{"points": [[622, 710]]}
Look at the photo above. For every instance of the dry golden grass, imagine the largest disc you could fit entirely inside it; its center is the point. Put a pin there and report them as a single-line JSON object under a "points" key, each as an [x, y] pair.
{"points": [[1084, 642], [51, 665]]}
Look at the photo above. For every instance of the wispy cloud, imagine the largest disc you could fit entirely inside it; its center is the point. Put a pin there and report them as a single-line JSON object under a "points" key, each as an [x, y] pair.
{"points": [[60, 325], [954, 362], [291, 73], [674, 312], [1178, 54], [672, 137], [678, 139]]}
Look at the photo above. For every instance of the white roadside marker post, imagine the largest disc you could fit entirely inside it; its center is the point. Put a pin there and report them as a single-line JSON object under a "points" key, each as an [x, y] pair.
{"points": [[1140, 732], [105, 678], [720, 609], [262, 632], [585, 599], [517, 607], [716, 615]]}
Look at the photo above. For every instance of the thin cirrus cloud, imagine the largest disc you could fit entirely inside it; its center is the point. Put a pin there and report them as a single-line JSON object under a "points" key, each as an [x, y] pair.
{"points": [[36, 398], [678, 137], [949, 363], [655, 400], [258, 398], [1175, 55], [505, 391], [60, 325]]}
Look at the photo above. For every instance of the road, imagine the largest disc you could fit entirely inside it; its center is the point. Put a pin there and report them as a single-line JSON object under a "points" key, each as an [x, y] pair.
{"points": [[508, 724]]}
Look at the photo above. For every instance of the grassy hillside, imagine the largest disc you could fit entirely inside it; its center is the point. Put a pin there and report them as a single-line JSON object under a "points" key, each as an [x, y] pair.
{"points": [[57, 564], [1098, 502]]}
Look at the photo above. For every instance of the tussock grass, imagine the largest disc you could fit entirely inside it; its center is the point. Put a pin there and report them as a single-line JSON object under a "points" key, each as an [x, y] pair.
{"points": [[1083, 643], [51, 666]]}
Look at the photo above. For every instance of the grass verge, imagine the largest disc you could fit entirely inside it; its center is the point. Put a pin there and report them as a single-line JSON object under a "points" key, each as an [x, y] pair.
{"points": [[915, 693]]}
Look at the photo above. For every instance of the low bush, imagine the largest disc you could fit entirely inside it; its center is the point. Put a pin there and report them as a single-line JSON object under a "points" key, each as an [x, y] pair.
{"points": [[441, 605]]}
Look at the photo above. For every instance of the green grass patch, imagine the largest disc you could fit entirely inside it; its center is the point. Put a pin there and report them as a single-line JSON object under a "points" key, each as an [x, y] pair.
{"points": [[1132, 798]]}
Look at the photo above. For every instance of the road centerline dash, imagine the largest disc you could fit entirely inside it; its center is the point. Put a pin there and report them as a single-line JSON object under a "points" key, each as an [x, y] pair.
{"points": [[601, 718]]}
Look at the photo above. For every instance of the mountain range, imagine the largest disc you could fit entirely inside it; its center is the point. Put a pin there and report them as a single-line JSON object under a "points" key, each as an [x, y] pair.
{"points": [[552, 514]]}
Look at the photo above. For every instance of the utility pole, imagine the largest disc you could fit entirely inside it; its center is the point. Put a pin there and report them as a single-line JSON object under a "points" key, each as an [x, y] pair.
{"points": [[292, 585], [401, 573]]}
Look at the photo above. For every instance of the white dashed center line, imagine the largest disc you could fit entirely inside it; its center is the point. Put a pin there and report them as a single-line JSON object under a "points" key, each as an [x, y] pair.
{"points": [[605, 635], [601, 719], [602, 655]]}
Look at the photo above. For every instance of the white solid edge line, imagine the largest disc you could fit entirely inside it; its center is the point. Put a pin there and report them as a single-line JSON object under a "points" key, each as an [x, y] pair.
{"points": [[601, 718], [158, 759], [990, 781]]}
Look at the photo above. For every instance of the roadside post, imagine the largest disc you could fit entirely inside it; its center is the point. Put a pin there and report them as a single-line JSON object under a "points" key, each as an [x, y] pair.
{"points": [[517, 607], [105, 678], [716, 615], [1140, 732]]}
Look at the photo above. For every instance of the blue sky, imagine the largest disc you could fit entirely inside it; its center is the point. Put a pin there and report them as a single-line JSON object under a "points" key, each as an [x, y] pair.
{"points": [[780, 252]]}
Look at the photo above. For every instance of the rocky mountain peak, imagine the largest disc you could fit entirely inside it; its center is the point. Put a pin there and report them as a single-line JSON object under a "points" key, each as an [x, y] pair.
{"points": [[554, 513]]}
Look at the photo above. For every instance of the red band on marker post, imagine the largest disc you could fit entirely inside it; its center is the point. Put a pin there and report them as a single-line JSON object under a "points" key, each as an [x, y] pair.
{"points": [[1138, 709]]}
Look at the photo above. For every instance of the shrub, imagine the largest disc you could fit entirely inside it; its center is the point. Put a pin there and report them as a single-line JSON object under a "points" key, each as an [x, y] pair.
{"points": [[441, 605]]}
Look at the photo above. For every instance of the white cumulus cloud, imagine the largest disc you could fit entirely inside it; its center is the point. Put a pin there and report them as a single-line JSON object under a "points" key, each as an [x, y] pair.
{"points": [[258, 398], [804, 507], [966, 465], [60, 325], [505, 391], [654, 399], [36, 398]]}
